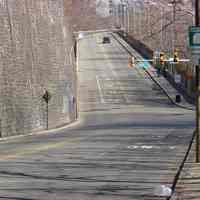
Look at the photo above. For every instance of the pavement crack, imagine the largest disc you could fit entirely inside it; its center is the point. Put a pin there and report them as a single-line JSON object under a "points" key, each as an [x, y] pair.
{"points": [[16, 198]]}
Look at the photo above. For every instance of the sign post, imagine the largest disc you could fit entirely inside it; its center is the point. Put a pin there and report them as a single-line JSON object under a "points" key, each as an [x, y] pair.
{"points": [[47, 97]]}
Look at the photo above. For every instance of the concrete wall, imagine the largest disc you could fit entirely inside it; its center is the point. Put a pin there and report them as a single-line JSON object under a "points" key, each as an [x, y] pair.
{"points": [[35, 48]]}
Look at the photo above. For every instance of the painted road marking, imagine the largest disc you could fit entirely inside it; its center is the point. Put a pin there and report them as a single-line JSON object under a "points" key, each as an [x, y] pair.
{"points": [[100, 90], [114, 74]]}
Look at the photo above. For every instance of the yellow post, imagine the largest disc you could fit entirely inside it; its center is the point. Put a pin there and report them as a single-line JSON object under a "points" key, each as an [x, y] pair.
{"points": [[130, 62], [176, 59], [162, 57]]}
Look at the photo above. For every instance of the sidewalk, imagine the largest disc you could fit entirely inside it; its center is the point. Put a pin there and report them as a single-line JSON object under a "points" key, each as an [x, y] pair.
{"points": [[188, 186], [168, 89]]}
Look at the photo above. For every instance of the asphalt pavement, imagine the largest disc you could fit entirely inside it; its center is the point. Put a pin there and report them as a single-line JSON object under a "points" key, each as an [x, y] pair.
{"points": [[129, 139]]}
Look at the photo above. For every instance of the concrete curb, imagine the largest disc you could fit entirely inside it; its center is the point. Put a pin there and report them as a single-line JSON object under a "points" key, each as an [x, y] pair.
{"points": [[166, 93], [43, 132], [177, 177]]}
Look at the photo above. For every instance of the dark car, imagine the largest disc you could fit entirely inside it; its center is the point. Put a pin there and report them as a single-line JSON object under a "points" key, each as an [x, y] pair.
{"points": [[106, 40]]}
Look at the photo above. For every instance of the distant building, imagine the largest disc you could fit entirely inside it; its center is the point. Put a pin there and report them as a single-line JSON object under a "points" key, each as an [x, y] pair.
{"points": [[86, 17]]}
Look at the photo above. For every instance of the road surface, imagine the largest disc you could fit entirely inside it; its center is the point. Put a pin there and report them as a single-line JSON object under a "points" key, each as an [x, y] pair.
{"points": [[129, 138]]}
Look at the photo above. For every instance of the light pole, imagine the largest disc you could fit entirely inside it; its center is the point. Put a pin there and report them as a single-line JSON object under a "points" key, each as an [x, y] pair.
{"points": [[128, 17], [139, 20], [173, 3], [119, 14], [174, 25], [131, 10], [125, 15], [162, 25], [123, 21], [149, 22], [117, 20], [134, 21]]}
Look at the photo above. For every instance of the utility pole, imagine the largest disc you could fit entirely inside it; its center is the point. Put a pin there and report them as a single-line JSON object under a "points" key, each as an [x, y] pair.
{"points": [[122, 15], [125, 18], [197, 90], [173, 2], [131, 19], [134, 21], [162, 24], [174, 25], [139, 22], [149, 23], [119, 15], [128, 18]]}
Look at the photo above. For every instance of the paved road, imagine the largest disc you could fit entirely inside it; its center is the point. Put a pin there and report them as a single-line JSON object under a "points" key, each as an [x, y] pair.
{"points": [[129, 138]]}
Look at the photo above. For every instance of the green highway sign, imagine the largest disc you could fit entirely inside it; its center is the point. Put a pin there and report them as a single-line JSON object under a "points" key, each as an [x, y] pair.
{"points": [[194, 37]]}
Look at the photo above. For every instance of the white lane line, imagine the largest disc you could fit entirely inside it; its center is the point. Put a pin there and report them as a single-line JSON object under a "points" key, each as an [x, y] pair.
{"points": [[100, 90], [115, 75]]}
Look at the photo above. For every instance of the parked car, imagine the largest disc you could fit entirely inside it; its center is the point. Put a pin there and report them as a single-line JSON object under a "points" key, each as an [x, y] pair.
{"points": [[106, 40]]}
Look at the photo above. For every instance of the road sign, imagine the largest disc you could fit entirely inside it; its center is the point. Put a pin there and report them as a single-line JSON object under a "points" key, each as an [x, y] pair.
{"points": [[194, 44], [46, 96], [194, 37]]}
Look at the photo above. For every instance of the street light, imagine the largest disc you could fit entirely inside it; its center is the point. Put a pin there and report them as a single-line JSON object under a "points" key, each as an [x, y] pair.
{"points": [[173, 4], [124, 7], [139, 15], [125, 15]]}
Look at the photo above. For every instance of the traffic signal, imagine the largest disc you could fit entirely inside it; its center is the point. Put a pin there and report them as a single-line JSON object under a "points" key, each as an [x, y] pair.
{"points": [[162, 57], [176, 59]]}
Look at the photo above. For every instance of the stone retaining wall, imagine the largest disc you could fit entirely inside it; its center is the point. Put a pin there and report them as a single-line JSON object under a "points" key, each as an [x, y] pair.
{"points": [[35, 55]]}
